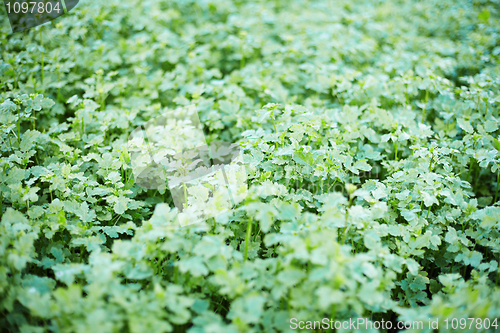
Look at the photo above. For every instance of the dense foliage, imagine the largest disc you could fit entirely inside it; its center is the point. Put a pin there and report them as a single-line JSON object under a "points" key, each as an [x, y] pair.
{"points": [[371, 138]]}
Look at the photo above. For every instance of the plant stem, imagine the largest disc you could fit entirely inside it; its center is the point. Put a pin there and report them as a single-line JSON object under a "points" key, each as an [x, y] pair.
{"points": [[10, 142], [334, 182], [333, 311], [42, 51], [470, 169], [242, 60], [425, 106], [346, 226], [215, 224], [498, 185], [247, 238], [19, 125]]}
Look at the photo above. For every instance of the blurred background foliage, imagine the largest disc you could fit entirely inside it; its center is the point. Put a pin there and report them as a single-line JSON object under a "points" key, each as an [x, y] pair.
{"points": [[371, 137]]}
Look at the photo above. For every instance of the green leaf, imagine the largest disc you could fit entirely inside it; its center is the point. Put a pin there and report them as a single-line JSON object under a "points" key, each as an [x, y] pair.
{"points": [[120, 205], [465, 125], [84, 213], [193, 265]]}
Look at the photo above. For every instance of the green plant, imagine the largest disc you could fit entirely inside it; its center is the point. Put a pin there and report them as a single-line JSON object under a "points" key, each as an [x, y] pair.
{"points": [[371, 141]]}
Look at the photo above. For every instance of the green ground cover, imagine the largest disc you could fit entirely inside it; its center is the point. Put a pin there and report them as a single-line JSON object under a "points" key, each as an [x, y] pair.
{"points": [[371, 139]]}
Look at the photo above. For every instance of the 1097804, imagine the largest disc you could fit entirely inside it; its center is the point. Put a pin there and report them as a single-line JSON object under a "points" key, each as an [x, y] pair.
{"points": [[33, 7], [26, 14]]}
